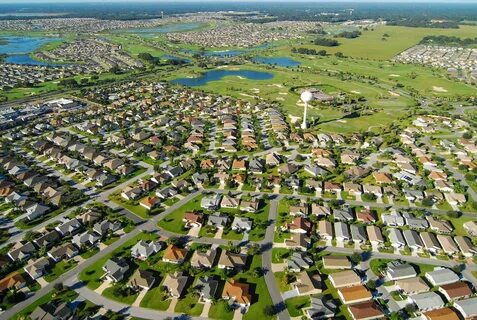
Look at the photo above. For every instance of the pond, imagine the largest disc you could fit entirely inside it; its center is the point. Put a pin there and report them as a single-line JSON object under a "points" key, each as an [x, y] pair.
{"points": [[18, 48], [277, 61], [217, 74]]}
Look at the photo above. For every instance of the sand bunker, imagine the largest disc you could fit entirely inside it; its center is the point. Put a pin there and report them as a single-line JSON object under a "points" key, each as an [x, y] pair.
{"points": [[355, 92], [438, 89], [394, 94], [283, 93], [394, 75]]}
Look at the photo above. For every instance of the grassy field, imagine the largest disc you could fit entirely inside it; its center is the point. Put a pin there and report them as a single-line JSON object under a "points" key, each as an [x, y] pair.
{"points": [[371, 46]]}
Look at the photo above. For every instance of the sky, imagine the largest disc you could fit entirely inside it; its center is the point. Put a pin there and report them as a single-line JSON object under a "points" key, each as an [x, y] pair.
{"points": [[237, 1]]}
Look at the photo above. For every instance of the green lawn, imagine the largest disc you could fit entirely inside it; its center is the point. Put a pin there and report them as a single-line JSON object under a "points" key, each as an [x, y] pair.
{"points": [[173, 221], [60, 268], [112, 294], [189, 305], [278, 254], [221, 310], [295, 305], [156, 299]]}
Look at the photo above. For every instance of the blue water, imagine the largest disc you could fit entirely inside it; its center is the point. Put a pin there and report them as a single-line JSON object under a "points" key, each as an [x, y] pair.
{"points": [[26, 59], [217, 74], [18, 49], [278, 61], [19, 45], [177, 27]]}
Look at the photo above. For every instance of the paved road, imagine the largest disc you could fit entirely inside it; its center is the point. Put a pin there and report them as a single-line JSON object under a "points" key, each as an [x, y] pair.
{"points": [[267, 244]]}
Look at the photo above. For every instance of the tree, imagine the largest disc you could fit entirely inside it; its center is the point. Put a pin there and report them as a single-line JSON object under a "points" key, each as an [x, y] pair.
{"points": [[428, 202], [356, 258], [59, 286], [270, 310], [339, 54]]}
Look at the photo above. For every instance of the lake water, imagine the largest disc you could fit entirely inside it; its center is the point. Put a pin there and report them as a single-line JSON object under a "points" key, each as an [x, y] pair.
{"points": [[168, 28], [18, 49], [218, 74], [278, 61], [26, 59]]}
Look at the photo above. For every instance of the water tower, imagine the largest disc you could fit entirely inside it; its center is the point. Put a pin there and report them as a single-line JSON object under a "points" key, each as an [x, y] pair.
{"points": [[306, 96]]}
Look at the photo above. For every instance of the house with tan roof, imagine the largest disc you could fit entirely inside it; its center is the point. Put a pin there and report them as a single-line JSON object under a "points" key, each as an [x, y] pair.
{"points": [[343, 279], [307, 284], [336, 262], [375, 236], [325, 229], [382, 178], [355, 294], [202, 259], [412, 285], [229, 260], [176, 284]]}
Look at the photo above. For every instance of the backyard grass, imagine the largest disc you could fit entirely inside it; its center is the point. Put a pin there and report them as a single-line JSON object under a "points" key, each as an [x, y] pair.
{"points": [[59, 268], [173, 221], [278, 254], [221, 310], [156, 298], [111, 294], [189, 305], [296, 305]]}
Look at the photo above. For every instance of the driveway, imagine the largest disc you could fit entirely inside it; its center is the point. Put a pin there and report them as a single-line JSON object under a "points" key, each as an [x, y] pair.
{"points": [[172, 306], [194, 232], [138, 300], [103, 286]]}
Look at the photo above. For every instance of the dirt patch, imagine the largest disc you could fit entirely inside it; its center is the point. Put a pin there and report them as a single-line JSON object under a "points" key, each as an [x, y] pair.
{"points": [[394, 94], [438, 89]]}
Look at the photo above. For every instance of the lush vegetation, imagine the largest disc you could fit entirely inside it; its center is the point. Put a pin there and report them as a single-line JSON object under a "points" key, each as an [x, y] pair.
{"points": [[326, 42], [449, 41]]}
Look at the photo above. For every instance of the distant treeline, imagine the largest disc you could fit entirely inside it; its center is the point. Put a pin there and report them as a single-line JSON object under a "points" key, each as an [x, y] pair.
{"points": [[289, 10], [419, 22], [349, 34], [448, 41], [326, 42], [312, 52]]}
